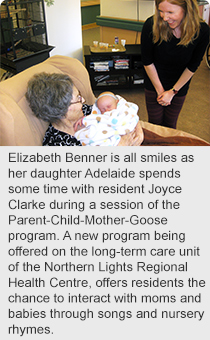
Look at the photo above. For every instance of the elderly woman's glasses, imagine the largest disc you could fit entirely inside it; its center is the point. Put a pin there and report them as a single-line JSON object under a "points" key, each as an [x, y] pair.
{"points": [[80, 100]]}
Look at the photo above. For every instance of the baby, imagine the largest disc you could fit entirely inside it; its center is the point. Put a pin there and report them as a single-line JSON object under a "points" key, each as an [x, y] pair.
{"points": [[111, 117]]}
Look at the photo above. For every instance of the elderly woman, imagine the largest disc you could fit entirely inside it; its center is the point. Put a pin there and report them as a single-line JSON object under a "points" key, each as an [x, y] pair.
{"points": [[54, 99]]}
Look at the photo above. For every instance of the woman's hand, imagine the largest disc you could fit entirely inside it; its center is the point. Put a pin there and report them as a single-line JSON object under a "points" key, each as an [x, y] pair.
{"points": [[79, 124], [139, 133], [130, 139], [165, 98]]}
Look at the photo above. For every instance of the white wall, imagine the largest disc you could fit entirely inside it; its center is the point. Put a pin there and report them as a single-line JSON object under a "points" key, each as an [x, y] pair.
{"points": [[127, 9], [64, 28]]}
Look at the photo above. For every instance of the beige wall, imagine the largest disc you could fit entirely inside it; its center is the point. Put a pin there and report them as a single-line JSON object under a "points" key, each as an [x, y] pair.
{"points": [[127, 9], [124, 9], [107, 34]]}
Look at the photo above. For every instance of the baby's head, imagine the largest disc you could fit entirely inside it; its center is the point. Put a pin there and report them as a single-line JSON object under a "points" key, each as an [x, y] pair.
{"points": [[106, 101]]}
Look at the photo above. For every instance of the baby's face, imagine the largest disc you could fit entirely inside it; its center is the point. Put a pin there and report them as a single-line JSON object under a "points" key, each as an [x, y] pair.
{"points": [[107, 103]]}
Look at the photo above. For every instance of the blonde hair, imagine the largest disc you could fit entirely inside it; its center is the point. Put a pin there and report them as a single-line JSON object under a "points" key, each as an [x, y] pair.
{"points": [[190, 26]]}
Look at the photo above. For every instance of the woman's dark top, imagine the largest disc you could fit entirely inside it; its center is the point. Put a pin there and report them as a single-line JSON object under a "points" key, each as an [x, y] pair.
{"points": [[171, 59], [54, 137]]}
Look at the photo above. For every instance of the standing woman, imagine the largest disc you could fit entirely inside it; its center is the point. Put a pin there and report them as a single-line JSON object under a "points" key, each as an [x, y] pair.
{"points": [[173, 43]]}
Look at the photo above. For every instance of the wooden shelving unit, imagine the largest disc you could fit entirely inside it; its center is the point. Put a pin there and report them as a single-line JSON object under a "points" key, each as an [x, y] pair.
{"points": [[110, 70]]}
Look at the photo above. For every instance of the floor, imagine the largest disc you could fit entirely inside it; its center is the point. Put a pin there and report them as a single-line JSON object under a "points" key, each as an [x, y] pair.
{"points": [[195, 115]]}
